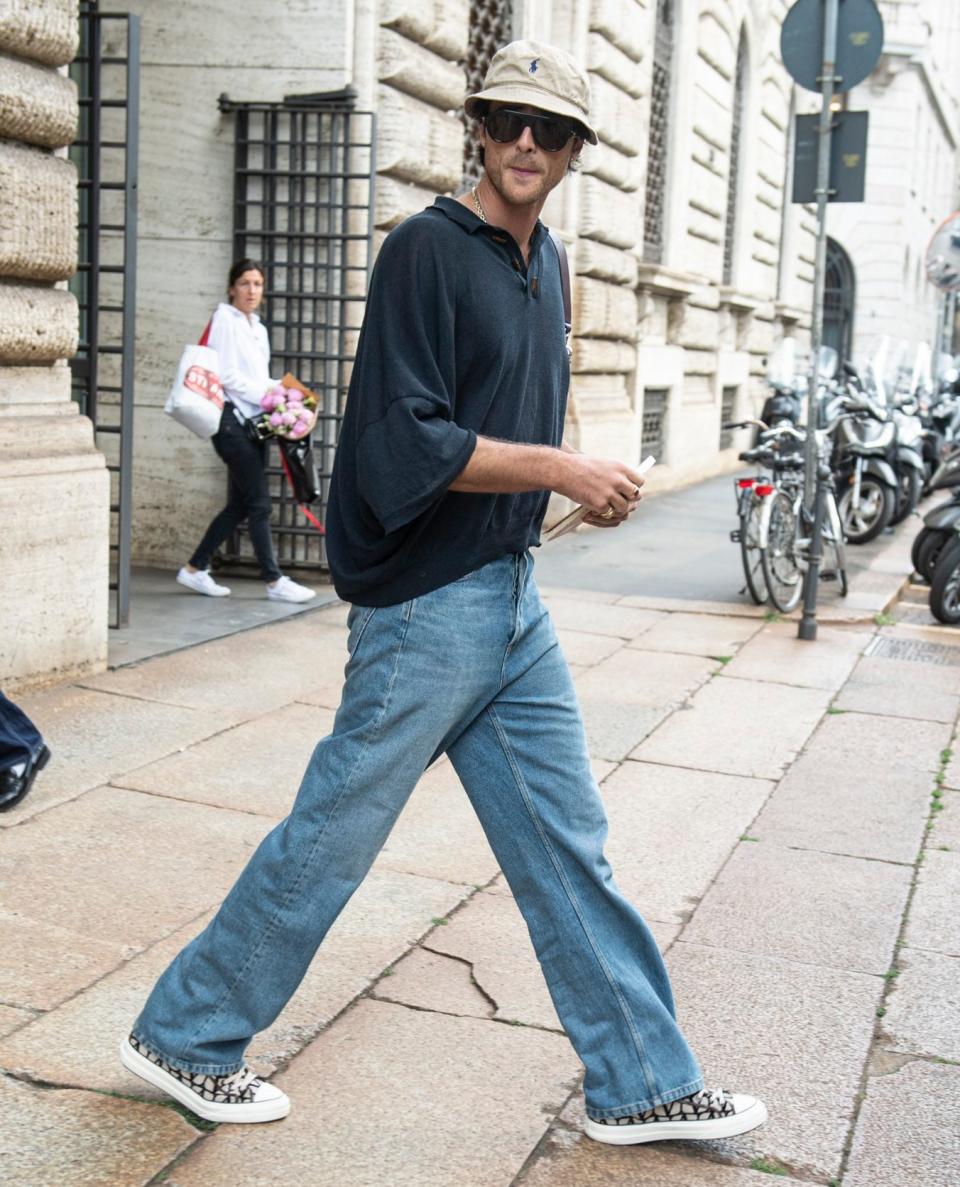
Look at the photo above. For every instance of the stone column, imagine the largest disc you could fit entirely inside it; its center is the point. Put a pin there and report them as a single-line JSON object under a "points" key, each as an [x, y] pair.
{"points": [[54, 487]]}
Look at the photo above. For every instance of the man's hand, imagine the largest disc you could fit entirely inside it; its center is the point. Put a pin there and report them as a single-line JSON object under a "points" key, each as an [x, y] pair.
{"points": [[601, 485]]}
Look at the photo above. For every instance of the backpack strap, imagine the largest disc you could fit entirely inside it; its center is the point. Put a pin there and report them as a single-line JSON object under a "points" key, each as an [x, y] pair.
{"points": [[564, 280]]}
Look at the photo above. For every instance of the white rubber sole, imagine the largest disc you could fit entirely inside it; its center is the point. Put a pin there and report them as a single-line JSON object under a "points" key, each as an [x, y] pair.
{"points": [[220, 592], [660, 1131], [245, 1114]]}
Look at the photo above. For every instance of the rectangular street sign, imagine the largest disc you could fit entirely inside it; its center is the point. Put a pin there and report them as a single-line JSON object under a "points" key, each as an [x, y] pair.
{"points": [[848, 157]]}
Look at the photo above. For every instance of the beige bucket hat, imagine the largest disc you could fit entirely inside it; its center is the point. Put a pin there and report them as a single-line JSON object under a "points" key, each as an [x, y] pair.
{"points": [[539, 75]]}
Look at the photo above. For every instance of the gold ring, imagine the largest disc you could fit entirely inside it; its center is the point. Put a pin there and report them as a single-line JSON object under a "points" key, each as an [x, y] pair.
{"points": [[608, 514]]}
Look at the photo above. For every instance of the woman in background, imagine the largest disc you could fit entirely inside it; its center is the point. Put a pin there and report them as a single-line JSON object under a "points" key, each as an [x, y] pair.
{"points": [[243, 353]]}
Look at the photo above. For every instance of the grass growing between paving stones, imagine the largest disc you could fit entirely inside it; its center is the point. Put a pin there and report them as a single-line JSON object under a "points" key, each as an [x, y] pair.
{"points": [[882, 619], [769, 1166]]}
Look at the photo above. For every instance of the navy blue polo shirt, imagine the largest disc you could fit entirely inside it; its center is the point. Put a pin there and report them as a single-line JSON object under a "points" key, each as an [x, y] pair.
{"points": [[460, 338]]}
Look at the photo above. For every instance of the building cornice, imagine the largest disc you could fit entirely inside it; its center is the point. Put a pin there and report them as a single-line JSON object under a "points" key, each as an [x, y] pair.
{"points": [[897, 56]]}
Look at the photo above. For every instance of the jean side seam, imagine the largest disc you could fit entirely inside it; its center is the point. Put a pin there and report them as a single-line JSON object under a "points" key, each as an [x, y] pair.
{"points": [[271, 927], [568, 889]]}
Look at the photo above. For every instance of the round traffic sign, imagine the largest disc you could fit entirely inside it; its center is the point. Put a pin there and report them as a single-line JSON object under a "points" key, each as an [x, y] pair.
{"points": [[859, 42]]}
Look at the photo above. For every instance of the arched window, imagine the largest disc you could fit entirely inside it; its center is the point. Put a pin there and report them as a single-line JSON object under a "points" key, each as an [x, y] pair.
{"points": [[659, 137], [733, 174], [491, 26], [839, 298]]}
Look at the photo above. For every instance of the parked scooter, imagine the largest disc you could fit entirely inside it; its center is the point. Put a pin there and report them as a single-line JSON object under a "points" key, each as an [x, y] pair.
{"points": [[945, 590], [940, 523], [867, 485]]}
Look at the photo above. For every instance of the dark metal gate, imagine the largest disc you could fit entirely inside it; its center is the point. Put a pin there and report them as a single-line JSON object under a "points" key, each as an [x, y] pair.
{"points": [[106, 155], [303, 208]]}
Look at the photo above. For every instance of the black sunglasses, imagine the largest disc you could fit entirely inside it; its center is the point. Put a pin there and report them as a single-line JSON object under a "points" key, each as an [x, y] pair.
{"points": [[505, 126]]}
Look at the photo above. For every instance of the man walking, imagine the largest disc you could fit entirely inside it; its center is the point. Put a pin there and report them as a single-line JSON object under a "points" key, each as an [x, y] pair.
{"points": [[451, 445]]}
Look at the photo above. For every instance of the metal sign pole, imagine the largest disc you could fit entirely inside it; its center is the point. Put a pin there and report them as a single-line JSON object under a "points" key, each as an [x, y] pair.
{"points": [[812, 497]]}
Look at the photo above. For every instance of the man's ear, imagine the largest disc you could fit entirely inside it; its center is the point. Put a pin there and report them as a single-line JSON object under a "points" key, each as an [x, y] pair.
{"points": [[576, 150]]}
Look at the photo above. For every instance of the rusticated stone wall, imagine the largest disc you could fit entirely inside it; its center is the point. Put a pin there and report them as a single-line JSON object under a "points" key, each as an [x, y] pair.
{"points": [[420, 87], [53, 484], [191, 53]]}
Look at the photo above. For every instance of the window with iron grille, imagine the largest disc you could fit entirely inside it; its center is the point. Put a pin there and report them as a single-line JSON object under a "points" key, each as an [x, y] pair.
{"points": [[728, 410], [658, 141], [733, 175], [653, 433], [303, 207], [491, 26]]}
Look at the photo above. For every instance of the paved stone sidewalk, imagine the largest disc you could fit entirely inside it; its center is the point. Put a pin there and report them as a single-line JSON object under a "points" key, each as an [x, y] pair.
{"points": [[787, 816]]}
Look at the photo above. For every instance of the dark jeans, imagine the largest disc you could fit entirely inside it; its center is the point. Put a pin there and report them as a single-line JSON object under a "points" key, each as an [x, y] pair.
{"points": [[249, 497], [19, 737]]}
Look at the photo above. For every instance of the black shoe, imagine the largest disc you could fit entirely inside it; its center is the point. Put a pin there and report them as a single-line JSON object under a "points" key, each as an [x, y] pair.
{"points": [[14, 787]]}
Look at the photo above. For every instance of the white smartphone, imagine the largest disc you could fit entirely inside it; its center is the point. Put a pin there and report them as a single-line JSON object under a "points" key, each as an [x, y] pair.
{"points": [[578, 514]]}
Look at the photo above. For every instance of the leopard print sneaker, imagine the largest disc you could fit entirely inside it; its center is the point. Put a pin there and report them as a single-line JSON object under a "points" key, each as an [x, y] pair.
{"points": [[239, 1097], [702, 1115]]}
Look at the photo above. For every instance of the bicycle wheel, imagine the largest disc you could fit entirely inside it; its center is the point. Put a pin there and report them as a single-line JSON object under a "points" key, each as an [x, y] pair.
{"points": [[750, 550], [834, 545], [945, 590], [781, 557]]}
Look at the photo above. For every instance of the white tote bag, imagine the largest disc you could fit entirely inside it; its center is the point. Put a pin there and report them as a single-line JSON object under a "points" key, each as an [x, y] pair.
{"points": [[196, 398]]}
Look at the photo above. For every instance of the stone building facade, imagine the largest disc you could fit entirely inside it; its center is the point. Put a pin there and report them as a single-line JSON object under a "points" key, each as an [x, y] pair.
{"points": [[912, 175], [670, 335], [687, 263], [54, 489]]}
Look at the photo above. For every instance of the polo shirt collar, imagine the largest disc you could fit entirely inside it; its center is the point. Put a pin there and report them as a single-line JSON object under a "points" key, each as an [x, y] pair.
{"points": [[458, 213]]}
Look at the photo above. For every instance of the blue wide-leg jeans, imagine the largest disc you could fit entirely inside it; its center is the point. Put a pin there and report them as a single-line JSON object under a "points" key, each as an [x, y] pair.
{"points": [[472, 669]]}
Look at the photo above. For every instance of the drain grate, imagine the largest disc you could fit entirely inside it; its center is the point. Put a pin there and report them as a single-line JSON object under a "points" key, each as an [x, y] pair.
{"points": [[921, 653]]}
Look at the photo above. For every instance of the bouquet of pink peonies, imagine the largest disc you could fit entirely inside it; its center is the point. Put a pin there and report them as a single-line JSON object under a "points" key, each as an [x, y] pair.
{"points": [[290, 409]]}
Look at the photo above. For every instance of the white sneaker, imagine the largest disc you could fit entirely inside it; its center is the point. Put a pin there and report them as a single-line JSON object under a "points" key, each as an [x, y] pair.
{"points": [[285, 590], [702, 1115], [201, 582], [239, 1098]]}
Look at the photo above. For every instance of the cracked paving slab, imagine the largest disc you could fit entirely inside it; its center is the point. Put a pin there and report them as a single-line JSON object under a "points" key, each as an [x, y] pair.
{"points": [[370, 1089], [77, 1043]]}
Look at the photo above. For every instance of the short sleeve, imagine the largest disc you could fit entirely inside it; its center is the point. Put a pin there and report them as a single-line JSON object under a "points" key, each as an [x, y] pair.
{"points": [[409, 446]]}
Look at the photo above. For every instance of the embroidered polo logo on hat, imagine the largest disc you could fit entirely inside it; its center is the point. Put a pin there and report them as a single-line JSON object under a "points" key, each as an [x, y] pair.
{"points": [[533, 65]]}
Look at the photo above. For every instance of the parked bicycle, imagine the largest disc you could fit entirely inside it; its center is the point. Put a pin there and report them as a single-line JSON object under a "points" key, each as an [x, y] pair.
{"points": [[775, 528]]}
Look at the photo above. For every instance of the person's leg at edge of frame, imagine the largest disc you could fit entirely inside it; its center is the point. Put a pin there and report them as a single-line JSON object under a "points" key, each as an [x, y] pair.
{"points": [[234, 979], [525, 766]]}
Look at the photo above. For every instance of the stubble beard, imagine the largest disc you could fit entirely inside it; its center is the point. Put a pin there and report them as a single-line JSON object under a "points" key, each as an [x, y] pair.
{"points": [[527, 197]]}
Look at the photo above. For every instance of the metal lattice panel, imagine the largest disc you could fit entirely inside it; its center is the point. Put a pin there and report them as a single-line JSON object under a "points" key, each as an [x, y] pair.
{"points": [[303, 202], [654, 425], [658, 143], [728, 407], [107, 74], [733, 174], [491, 26]]}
